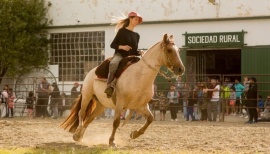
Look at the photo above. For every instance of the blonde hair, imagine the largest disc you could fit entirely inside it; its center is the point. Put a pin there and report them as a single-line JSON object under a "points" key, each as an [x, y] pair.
{"points": [[120, 22]]}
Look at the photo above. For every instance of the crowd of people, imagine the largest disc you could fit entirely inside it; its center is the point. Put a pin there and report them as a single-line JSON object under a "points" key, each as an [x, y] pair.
{"points": [[201, 101], [7, 102], [47, 101], [204, 100]]}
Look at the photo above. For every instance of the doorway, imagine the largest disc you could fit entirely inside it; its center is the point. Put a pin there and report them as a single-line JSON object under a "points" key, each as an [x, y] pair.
{"points": [[206, 62]]}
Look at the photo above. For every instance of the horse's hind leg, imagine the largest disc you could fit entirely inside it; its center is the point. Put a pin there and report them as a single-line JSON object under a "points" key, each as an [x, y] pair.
{"points": [[116, 124], [86, 99], [149, 119], [77, 136]]}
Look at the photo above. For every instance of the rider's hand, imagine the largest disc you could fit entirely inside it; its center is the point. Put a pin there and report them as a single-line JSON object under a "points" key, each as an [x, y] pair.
{"points": [[141, 52], [125, 47]]}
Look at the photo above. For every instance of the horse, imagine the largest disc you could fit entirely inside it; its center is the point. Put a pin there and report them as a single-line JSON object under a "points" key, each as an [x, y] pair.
{"points": [[133, 90]]}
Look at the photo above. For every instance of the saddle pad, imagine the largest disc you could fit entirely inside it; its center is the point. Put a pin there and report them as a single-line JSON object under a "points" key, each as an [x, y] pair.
{"points": [[102, 70]]}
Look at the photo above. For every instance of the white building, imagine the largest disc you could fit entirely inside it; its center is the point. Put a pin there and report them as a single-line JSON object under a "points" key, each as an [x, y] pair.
{"points": [[223, 36]]}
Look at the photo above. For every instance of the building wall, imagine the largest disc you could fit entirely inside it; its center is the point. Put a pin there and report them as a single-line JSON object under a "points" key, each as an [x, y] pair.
{"points": [[257, 33], [78, 12], [171, 16], [174, 17]]}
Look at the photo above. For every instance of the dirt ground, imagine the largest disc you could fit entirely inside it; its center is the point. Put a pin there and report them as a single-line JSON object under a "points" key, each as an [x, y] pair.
{"points": [[231, 136]]}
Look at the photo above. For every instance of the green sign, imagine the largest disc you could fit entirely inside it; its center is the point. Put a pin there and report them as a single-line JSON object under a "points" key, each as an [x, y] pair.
{"points": [[214, 39]]}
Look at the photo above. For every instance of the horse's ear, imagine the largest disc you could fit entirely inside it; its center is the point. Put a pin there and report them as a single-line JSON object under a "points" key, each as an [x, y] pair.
{"points": [[165, 38], [171, 39]]}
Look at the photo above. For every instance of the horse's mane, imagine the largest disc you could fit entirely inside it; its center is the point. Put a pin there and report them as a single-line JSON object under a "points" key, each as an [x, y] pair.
{"points": [[151, 47]]}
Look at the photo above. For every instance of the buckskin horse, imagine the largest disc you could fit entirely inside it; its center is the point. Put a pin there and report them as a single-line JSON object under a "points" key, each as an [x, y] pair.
{"points": [[133, 90]]}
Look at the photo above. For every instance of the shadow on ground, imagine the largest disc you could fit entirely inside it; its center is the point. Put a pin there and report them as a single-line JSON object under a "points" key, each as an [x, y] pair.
{"points": [[58, 147]]}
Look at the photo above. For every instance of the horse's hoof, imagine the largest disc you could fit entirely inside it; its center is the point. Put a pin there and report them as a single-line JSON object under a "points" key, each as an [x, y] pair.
{"points": [[113, 145], [134, 134], [76, 138]]}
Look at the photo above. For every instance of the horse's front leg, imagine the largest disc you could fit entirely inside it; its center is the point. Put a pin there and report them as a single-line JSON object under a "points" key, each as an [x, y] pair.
{"points": [[116, 124], [149, 119]]}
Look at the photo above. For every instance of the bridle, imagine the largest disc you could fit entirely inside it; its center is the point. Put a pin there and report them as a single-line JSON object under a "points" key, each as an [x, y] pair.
{"points": [[166, 53], [171, 64]]}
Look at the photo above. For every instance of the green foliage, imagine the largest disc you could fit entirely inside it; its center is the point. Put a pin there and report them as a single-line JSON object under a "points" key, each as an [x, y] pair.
{"points": [[23, 38]]}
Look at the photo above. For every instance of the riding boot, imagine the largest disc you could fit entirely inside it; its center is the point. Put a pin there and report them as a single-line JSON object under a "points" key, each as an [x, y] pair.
{"points": [[110, 85]]}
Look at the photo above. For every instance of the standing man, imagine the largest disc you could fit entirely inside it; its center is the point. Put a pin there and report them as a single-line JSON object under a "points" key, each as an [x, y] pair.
{"points": [[252, 100], [4, 104], [43, 91], [173, 100], [179, 85], [212, 106], [74, 92]]}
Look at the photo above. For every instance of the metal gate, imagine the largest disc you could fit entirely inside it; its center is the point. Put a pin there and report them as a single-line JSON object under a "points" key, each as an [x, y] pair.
{"points": [[195, 64]]}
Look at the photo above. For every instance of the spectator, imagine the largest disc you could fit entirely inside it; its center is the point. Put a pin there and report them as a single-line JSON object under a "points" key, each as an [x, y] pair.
{"points": [[55, 100], [205, 101], [173, 100], [179, 85], [184, 97], [152, 103], [108, 113], [245, 84], [252, 100], [266, 108], [74, 92], [225, 95], [198, 96], [192, 99], [123, 115], [260, 106], [163, 104], [4, 99], [62, 105], [3, 105], [244, 98], [29, 104], [137, 116], [232, 100], [11, 102], [43, 91], [212, 107], [239, 88]]}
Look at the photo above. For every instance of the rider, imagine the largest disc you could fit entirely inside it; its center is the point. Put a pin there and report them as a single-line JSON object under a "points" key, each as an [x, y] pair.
{"points": [[125, 44]]}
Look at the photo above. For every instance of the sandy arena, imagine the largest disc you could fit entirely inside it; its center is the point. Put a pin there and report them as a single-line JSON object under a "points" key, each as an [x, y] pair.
{"points": [[160, 137]]}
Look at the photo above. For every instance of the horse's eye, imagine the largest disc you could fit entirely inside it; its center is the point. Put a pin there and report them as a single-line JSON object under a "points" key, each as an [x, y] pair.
{"points": [[169, 50]]}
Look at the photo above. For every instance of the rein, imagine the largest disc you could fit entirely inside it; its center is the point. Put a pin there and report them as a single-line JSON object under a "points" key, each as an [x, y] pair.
{"points": [[158, 70]]}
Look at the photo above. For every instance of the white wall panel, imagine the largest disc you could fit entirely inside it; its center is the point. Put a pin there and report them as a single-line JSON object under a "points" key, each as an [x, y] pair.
{"points": [[76, 12]]}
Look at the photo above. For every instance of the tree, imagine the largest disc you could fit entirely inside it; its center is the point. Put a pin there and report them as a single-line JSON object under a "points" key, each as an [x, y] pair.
{"points": [[23, 36]]}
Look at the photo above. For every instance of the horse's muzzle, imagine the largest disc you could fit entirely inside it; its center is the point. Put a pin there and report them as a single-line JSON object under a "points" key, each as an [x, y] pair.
{"points": [[178, 70]]}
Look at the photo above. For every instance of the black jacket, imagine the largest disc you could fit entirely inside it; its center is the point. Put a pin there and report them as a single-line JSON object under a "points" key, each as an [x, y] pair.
{"points": [[126, 37], [252, 95]]}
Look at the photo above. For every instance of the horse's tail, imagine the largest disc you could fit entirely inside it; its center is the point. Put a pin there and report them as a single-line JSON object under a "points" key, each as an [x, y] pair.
{"points": [[72, 121]]}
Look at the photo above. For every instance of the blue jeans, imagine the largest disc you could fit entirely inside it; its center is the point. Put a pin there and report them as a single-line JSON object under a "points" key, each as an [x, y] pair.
{"points": [[197, 112], [184, 109], [212, 107], [190, 113]]}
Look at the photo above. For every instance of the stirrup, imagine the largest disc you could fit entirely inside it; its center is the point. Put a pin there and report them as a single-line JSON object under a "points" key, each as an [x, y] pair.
{"points": [[109, 91]]}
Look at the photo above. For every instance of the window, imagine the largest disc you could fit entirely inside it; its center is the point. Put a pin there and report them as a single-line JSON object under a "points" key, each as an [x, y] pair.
{"points": [[76, 53]]}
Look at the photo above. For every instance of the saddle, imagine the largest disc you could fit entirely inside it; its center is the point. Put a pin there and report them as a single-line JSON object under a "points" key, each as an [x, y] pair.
{"points": [[102, 70]]}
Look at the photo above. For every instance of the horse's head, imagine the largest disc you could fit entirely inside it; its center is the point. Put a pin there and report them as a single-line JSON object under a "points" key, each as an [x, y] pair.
{"points": [[171, 52]]}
